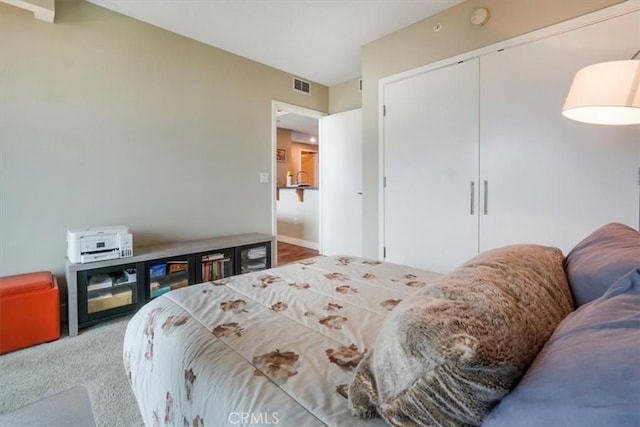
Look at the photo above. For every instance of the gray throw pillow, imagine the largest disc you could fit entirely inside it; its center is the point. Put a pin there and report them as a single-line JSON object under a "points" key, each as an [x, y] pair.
{"points": [[588, 373], [598, 261], [450, 352]]}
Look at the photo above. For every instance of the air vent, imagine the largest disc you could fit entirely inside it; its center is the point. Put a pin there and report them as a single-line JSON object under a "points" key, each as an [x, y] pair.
{"points": [[301, 86]]}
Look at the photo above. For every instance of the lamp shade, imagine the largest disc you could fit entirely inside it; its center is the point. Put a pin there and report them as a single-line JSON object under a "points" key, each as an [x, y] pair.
{"points": [[607, 93]]}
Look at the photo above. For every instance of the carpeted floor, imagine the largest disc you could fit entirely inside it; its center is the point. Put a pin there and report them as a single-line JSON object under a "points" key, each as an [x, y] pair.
{"points": [[71, 408], [92, 359]]}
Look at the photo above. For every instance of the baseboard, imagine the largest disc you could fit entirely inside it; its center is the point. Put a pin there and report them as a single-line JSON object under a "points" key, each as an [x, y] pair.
{"points": [[298, 242]]}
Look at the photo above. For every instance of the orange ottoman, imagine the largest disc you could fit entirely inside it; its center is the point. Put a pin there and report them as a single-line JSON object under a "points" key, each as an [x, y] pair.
{"points": [[29, 310]]}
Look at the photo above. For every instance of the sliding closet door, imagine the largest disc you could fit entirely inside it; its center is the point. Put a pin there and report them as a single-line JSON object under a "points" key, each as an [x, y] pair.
{"points": [[552, 180], [431, 168]]}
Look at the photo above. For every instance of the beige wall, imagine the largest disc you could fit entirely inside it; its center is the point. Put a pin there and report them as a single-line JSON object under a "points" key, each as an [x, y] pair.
{"points": [[296, 166], [297, 222], [46, 4], [284, 143], [44, 10], [107, 120], [345, 96], [292, 163], [418, 45]]}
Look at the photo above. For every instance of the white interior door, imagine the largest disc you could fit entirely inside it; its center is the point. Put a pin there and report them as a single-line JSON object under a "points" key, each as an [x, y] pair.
{"points": [[341, 183], [552, 180], [431, 168]]}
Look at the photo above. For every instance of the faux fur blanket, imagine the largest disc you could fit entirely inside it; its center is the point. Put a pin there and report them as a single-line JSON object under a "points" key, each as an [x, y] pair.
{"points": [[446, 355]]}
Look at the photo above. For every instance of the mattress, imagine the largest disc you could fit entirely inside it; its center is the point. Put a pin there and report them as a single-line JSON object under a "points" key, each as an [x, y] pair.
{"points": [[277, 346]]}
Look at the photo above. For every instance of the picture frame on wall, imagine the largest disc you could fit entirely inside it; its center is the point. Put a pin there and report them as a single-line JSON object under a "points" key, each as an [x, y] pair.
{"points": [[281, 154]]}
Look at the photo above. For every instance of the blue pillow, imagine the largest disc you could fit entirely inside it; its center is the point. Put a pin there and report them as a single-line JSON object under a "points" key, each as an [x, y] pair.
{"points": [[604, 256], [588, 373]]}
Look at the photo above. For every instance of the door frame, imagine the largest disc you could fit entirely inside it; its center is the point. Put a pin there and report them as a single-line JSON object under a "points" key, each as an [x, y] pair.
{"points": [[301, 111], [559, 28]]}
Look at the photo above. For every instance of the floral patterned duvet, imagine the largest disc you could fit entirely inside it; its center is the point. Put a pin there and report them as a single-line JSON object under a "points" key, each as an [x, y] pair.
{"points": [[272, 347]]}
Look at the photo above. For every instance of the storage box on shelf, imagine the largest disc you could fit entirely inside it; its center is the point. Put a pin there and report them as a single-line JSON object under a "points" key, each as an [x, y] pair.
{"points": [[102, 290], [252, 258], [165, 276]]}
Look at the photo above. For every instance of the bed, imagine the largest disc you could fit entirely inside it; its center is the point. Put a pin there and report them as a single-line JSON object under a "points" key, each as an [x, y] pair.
{"points": [[273, 347], [516, 336]]}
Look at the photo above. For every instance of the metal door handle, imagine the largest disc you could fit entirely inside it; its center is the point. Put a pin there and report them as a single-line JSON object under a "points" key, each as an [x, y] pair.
{"points": [[473, 188], [486, 197]]}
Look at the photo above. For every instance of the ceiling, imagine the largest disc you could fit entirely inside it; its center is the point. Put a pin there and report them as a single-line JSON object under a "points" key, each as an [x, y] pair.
{"points": [[317, 40], [305, 128]]}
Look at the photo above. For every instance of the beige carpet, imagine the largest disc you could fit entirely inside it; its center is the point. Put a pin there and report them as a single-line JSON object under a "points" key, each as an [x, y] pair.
{"points": [[93, 360]]}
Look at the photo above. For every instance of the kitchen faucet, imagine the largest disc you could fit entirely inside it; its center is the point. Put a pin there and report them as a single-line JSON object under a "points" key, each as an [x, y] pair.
{"points": [[298, 178]]}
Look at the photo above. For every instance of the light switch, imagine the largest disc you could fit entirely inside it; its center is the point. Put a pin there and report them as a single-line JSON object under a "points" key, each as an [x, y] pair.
{"points": [[264, 177]]}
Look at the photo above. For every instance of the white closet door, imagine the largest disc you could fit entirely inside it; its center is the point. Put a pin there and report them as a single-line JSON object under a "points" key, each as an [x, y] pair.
{"points": [[552, 180], [341, 183], [431, 161]]}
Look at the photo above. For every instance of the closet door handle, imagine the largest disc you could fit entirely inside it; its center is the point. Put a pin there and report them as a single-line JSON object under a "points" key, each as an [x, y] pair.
{"points": [[473, 191], [486, 197]]}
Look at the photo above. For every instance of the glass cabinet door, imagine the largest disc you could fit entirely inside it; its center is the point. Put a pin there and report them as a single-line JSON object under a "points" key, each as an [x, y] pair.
{"points": [[167, 275], [214, 265], [254, 258], [107, 291]]}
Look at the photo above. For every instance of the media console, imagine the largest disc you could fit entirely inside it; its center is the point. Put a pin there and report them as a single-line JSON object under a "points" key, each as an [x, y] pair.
{"points": [[102, 290]]}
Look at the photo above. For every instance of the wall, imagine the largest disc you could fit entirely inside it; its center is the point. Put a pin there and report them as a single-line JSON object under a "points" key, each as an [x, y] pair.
{"points": [[296, 148], [107, 120], [45, 4], [418, 45], [345, 96], [44, 10], [292, 163], [298, 222], [284, 143]]}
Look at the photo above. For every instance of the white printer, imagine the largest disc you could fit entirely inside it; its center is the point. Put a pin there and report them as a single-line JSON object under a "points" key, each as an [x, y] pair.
{"points": [[99, 244]]}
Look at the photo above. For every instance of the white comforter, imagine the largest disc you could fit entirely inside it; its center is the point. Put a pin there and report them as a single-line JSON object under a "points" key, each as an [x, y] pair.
{"points": [[271, 347]]}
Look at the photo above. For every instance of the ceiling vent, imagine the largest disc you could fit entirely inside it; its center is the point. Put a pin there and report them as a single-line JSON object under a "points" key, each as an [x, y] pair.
{"points": [[301, 86]]}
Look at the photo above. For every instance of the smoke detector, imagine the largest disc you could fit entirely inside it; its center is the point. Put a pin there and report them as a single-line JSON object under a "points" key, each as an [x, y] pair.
{"points": [[479, 16]]}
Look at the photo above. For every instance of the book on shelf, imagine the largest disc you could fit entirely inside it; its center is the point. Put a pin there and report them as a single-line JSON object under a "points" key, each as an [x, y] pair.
{"points": [[212, 257], [176, 266], [158, 270], [214, 269]]}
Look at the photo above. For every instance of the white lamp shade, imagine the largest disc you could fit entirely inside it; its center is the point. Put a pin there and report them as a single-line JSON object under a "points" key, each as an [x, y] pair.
{"points": [[607, 93]]}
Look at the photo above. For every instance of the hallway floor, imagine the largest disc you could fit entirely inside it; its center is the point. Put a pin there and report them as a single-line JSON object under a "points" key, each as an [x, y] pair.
{"points": [[288, 253]]}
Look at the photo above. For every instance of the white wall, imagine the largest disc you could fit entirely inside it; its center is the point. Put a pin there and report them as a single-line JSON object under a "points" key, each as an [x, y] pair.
{"points": [[107, 120], [298, 221]]}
